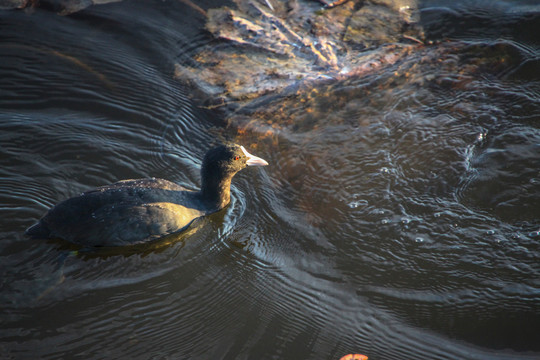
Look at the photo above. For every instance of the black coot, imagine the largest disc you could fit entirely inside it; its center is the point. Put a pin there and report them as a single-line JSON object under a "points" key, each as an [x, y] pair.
{"points": [[136, 211]]}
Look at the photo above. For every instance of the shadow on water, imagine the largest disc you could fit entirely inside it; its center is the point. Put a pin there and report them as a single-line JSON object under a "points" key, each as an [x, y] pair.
{"points": [[398, 218]]}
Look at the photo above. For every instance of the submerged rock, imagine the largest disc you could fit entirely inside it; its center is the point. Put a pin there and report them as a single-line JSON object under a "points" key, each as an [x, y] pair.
{"points": [[63, 7], [282, 69], [275, 44], [13, 4]]}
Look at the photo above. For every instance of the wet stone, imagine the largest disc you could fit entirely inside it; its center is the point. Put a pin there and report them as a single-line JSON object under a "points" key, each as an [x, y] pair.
{"points": [[269, 49]]}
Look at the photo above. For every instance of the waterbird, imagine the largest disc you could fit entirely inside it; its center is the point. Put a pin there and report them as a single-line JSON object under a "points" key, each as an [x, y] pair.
{"points": [[141, 210]]}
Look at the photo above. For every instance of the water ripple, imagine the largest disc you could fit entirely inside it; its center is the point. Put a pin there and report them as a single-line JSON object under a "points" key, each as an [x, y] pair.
{"points": [[396, 207]]}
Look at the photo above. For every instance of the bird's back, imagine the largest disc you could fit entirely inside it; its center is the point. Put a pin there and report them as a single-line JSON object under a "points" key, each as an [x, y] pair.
{"points": [[123, 213]]}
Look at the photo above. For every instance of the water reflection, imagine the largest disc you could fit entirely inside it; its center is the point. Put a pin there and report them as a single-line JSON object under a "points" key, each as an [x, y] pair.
{"points": [[399, 217]]}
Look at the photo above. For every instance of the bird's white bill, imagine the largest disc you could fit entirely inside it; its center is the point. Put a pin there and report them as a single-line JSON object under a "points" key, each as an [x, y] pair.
{"points": [[253, 160]]}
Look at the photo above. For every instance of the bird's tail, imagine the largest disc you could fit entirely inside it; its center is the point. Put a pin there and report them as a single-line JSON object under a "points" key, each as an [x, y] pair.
{"points": [[38, 230]]}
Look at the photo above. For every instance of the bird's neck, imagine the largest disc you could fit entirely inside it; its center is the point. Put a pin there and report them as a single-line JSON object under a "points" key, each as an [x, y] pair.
{"points": [[216, 193]]}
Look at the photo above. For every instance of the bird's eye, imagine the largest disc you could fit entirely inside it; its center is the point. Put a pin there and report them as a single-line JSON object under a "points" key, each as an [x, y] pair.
{"points": [[237, 158]]}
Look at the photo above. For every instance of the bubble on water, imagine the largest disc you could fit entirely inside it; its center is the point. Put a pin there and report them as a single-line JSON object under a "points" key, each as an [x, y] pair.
{"points": [[405, 221], [419, 239], [534, 234], [378, 129], [357, 203], [490, 232], [481, 136], [385, 221], [384, 170], [437, 214]]}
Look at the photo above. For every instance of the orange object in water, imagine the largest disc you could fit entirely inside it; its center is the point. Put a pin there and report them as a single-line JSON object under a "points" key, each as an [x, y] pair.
{"points": [[354, 357]]}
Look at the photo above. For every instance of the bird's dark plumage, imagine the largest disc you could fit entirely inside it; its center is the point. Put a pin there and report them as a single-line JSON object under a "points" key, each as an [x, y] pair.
{"points": [[136, 211]]}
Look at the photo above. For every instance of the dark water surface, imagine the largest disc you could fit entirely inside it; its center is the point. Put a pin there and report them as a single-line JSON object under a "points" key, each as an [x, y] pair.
{"points": [[399, 217]]}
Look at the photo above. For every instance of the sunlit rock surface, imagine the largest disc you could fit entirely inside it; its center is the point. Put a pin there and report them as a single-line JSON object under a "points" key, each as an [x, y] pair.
{"points": [[272, 45], [281, 69]]}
